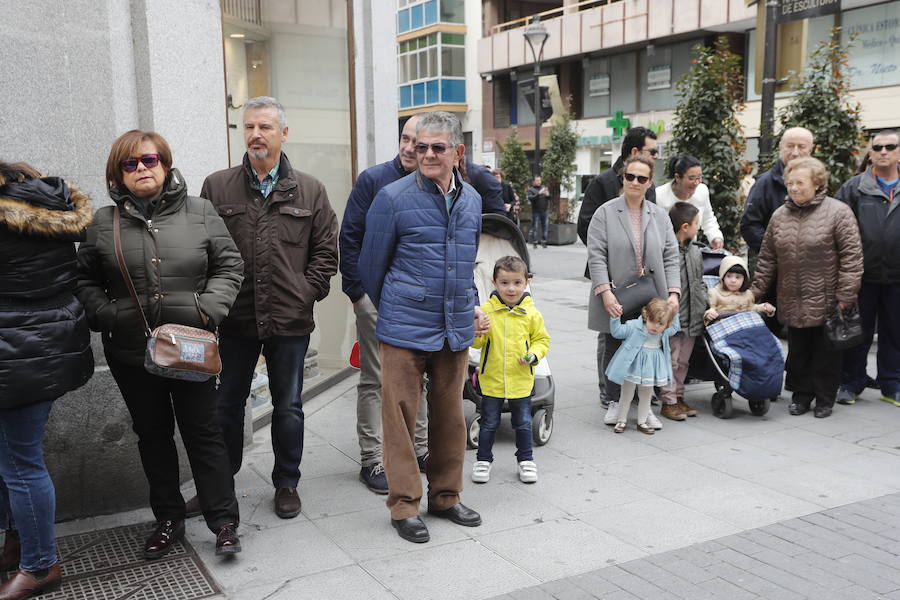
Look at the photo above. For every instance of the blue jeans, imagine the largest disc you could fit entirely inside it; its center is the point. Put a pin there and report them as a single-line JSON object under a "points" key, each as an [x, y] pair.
{"points": [[27, 496], [284, 364], [539, 221], [520, 410], [877, 304]]}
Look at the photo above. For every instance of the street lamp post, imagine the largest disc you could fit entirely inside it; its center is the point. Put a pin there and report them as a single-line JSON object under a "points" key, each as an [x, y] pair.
{"points": [[537, 36]]}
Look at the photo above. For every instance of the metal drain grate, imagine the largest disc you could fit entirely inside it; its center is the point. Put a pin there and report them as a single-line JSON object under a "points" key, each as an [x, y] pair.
{"points": [[108, 565]]}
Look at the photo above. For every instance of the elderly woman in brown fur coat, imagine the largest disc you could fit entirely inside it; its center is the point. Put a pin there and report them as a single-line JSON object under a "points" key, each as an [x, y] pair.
{"points": [[812, 250], [45, 351]]}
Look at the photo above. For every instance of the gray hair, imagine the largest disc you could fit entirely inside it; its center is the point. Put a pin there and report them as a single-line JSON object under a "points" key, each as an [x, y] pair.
{"points": [[267, 102], [443, 122]]}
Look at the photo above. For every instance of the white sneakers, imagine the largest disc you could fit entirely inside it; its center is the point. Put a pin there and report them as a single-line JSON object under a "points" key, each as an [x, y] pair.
{"points": [[527, 471], [653, 421], [612, 414], [481, 471]]}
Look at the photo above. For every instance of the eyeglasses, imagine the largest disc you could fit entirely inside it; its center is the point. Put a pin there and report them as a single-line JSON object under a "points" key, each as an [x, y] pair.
{"points": [[130, 164], [880, 147], [652, 151], [436, 148], [642, 179]]}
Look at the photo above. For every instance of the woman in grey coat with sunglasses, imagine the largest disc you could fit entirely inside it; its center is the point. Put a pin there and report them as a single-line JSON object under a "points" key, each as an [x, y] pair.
{"points": [[628, 237]]}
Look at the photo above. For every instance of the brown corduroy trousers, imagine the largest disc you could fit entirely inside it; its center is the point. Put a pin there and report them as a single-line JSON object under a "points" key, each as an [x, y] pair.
{"points": [[401, 381]]}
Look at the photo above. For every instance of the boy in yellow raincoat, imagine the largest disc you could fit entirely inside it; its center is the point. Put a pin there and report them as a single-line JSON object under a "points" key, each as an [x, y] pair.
{"points": [[515, 343]]}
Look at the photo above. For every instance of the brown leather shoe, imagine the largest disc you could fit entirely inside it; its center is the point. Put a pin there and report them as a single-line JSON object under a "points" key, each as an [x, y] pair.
{"points": [[163, 538], [685, 409], [227, 540], [192, 507], [287, 503], [9, 560], [26, 584], [672, 411]]}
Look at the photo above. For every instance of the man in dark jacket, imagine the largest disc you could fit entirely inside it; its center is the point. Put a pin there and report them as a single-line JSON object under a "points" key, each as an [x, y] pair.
{"points": [[417, 265], [873, 196], [286, 231], [539, 196], [368, 392], [769, 191], [605, 187]]}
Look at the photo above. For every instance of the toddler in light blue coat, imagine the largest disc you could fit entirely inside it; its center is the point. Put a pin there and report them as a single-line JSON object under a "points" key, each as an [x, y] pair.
{"points": [[643, 360]]}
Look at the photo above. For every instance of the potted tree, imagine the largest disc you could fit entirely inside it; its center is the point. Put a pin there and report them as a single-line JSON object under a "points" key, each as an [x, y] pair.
{"points": [[558, 171], [514, 165]]}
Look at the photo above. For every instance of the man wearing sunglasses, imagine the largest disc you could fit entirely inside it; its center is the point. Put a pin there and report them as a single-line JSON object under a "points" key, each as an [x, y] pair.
{"points": [[286, 231], [368, 392], [417, 265], [605, 187], [873, 196]]}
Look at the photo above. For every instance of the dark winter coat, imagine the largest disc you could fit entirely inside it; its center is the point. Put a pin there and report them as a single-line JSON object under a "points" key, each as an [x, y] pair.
{"points": [[604, 187], [813, 253], [353, 226], [539, 201], [289, 245], [488, 187], [766, 195], [182, 261], [45, 345], [879, 226], [418, 261], [694, 296]]}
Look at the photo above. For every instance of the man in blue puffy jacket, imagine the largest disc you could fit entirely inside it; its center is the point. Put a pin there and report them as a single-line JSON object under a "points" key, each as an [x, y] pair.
{"points": [[416, 265]]}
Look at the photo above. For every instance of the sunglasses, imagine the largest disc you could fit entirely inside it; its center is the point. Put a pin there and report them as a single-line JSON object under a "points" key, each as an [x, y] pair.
{"points": [[436, 148], [652, 151], [130, 164], [642, 179], [880, 147]]}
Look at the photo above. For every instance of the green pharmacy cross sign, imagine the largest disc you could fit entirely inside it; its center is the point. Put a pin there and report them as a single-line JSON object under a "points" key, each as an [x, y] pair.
{"points": [[618, 123]]}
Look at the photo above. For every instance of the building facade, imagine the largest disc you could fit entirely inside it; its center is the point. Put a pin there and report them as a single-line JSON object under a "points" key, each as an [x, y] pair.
{"points": [[618, 62]]}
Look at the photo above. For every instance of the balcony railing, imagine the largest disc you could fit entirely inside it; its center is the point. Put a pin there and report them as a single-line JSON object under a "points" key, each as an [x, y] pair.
{"points": [[549, 14], [249, 11]]}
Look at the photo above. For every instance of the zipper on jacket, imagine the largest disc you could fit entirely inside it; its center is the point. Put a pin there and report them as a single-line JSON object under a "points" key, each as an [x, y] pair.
{"points": [[505, 339], [528, 351], [484, 359]]}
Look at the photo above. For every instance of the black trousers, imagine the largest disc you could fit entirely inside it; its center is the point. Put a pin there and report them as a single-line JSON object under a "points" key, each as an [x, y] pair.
{"points": [[813, 368], [155, 404]]}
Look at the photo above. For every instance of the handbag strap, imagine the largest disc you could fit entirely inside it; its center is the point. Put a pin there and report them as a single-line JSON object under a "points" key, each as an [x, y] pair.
{"points": [[120, 259]]}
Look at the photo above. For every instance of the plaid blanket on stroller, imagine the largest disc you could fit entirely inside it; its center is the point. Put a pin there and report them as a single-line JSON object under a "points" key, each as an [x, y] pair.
{"points": [[754, 357]]}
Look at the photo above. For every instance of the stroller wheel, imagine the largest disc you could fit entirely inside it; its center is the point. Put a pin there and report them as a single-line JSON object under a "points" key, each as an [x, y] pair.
{"points": [[722, 405], [759, 407], [473, 427], [541, 426]]}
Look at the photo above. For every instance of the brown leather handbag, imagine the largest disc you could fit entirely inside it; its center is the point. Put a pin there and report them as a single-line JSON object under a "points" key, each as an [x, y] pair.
{"points": [[174, 351]]}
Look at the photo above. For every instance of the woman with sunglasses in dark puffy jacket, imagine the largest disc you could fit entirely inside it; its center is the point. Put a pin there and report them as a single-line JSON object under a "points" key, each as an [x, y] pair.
{"points": [[628, 237], [186, 270]]}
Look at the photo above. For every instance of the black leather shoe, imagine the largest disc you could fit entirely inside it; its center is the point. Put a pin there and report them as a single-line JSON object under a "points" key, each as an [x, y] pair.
{"points": [[459, 514], [227, 540], [287, 503], [821, 413], [797, 409], [163, 538], [411, 529]]}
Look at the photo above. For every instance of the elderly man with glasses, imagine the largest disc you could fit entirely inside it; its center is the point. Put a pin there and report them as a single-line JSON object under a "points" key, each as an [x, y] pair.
{"points": [[417, 264]]}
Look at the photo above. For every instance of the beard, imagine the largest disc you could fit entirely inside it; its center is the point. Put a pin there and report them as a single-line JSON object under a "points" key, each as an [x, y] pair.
{"points": [[258, 154]]}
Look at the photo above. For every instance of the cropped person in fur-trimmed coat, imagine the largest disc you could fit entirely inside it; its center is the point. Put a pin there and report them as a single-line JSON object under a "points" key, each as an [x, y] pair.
{"points": [[45, 351]]}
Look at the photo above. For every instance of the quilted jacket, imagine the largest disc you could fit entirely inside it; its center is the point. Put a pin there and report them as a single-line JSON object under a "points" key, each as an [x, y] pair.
{"points": [[417, 263], [182, 261], [45, 345], [814, 253], [515, 331], [694, 296]]}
